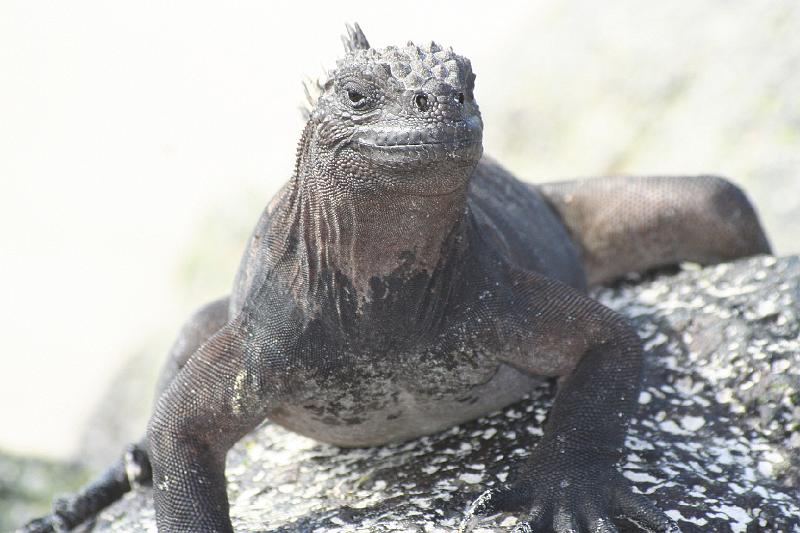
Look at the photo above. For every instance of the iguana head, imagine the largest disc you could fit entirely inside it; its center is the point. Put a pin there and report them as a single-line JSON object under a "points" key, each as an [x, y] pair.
{"points": [[401, 119]]}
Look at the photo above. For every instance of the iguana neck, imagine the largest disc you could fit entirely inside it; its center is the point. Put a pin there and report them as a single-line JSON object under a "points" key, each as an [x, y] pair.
{"points": [[366, 237], [359, 240]]}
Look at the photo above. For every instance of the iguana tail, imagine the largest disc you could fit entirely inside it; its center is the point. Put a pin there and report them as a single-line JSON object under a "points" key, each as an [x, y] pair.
{"points": [[70, 511]]}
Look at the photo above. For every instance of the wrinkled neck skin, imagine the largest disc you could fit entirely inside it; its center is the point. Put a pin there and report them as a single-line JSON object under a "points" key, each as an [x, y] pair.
{"points": [[375, 254], [367, 237]]}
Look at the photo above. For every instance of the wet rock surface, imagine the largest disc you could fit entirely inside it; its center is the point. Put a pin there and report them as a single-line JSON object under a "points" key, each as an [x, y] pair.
{"points": [[716, 442]]}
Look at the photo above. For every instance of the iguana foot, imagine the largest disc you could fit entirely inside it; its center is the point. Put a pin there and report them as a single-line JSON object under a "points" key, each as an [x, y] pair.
{"points": [[573, 499], [61, 519], [46, 524], [72, 510]]}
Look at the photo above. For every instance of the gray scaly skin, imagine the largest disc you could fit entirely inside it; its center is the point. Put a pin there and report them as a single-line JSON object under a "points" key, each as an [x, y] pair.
{"points": [[401, 283]]}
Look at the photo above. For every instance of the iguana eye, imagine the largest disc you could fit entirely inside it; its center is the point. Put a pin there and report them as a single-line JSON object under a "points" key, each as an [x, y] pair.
{"points": [[356, 98]]}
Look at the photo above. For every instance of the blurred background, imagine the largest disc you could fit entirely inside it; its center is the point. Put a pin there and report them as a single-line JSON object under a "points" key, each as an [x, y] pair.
{"points": [[139, 142]]}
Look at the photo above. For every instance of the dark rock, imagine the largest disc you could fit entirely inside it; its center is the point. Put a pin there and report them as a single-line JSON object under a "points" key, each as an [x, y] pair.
{"points": [[715, 443]]}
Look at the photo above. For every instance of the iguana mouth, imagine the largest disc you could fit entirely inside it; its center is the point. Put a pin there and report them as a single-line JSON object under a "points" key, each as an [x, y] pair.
{"points": [[460, 132], [411, 146], [407, 155], [393, 146]]}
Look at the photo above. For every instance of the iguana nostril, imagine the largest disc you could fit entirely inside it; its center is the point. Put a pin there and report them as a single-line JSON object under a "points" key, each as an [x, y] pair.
{"points": [[460, 98], [421, 101]]}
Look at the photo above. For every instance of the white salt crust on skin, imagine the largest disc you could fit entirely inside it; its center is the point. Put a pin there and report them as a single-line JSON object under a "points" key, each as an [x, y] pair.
{"points": [[700, 447]]}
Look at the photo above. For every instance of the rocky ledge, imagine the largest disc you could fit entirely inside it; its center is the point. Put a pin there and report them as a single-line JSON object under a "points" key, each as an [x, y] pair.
{"points": [[716, 442]]}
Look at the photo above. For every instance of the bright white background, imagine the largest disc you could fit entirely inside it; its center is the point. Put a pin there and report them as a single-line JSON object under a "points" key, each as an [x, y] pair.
{"points": [[124, 124]]}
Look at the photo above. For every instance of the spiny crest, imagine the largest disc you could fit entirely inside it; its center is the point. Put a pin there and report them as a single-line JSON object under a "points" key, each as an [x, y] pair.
{"points": [[411, 65], [355, 39], [312, 89]]}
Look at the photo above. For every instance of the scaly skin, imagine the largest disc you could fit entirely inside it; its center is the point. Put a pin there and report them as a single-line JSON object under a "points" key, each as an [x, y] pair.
{"points": [[400, 284]]}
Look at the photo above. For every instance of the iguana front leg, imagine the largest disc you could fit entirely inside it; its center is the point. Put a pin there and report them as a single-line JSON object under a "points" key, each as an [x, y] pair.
{"points": [[217, 397], [134, 466], [570, 482]]}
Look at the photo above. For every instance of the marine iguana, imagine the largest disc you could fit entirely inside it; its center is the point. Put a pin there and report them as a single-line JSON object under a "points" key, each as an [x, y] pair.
{"points": [[401, 283]]}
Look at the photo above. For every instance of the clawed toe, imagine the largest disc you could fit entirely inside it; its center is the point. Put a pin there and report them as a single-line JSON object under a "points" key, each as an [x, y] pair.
{"points": [[604, 525], [531, 523], [584, 515], [535, 524], [641, 511]]}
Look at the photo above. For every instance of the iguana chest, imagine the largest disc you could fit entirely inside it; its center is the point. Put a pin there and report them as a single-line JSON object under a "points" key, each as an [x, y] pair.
{"points": [[368, 399]]}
